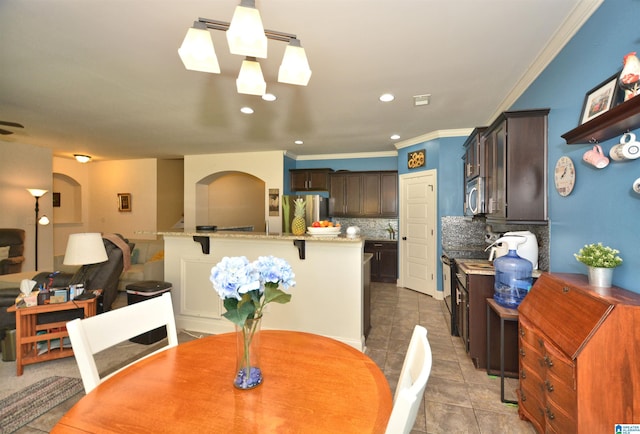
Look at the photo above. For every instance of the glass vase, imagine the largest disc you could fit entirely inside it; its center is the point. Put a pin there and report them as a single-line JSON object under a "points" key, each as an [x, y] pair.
{"points": [[600, 277], [248, 372]]}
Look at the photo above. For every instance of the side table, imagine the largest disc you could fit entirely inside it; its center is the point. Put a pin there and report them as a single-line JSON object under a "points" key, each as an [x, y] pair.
{"points": [[27, 329], [505, 314]]}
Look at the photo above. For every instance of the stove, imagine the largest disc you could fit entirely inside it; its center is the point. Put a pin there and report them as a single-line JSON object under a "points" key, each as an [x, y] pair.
{"points": [[450, 254]]}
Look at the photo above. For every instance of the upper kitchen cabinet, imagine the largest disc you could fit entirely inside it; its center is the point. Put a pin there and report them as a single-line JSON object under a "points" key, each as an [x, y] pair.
{"points": [[516, 167], [310, 179], [364, 194], [380, 194], [474, 154], [344, 194]]}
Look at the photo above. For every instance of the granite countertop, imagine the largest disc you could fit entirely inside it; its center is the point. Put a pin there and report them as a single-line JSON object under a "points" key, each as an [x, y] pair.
{"points": [[342, 238]]}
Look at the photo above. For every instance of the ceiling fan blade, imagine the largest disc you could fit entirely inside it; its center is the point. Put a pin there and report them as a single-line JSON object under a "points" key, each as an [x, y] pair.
{"points": [[11, 124], [5, 132]]}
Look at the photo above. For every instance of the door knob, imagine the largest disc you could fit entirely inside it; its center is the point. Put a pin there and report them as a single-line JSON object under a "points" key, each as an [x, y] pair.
{"points": [[404, 238]]}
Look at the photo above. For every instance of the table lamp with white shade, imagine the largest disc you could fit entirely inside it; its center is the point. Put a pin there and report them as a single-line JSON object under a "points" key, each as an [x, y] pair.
{"points": [[84, 249]]}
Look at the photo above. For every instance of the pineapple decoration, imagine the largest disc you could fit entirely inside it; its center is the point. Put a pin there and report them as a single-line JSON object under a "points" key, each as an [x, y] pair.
{"points": [[298, 224]]}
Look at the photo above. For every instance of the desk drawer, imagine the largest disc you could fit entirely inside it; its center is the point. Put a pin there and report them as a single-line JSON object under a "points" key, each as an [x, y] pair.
{"points": [[560, 366], [528, 334], [558, 421]]}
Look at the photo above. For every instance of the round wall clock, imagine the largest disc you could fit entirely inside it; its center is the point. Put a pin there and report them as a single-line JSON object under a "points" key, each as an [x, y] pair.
{"points": [[565, 176]]}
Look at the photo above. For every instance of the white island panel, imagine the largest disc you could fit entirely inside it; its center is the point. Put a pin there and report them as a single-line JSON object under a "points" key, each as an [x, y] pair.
{"points": [[326, 300]]}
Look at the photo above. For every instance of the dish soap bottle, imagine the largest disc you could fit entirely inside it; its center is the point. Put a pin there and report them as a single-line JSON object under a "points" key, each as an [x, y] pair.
{"points": [[513, 275]]}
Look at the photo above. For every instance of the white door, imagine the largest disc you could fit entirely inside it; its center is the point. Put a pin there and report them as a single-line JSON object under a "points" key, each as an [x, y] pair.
{"points": [[418, 225]]}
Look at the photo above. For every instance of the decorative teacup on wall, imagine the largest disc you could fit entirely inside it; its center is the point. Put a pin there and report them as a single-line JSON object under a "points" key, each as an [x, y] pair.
{"points": [[627, 149], [596, 157]]}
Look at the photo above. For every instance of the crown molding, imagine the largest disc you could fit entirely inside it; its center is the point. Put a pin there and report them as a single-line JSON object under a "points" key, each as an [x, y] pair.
{"points": [[439, 134], [342, 156], [574, 21]]}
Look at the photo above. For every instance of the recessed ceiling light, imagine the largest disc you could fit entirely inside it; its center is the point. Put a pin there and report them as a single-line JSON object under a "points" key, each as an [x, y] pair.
{"points": [[298, 142], [246, 110], [269, 97], [395, 137], [387, 97]]}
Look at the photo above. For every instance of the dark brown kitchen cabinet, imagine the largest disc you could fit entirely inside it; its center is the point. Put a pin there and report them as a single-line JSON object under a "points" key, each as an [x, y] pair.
{"points": [[578, 350], [364, 194], [344, 194], [309, 179], [380, 194], [474, 154], [384, 264], [516, 167]]}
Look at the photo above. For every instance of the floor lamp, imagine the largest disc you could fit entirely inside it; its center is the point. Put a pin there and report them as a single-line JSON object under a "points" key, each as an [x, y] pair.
{"points": [[38, 193]]}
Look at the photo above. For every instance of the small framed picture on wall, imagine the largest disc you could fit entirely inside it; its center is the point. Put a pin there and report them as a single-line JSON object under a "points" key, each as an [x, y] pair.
{"points": [[124, 202], [600, 99]]}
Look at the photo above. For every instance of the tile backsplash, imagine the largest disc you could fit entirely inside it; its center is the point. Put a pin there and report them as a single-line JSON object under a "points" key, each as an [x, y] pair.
{"points": [[461, 231], [371, 228]]}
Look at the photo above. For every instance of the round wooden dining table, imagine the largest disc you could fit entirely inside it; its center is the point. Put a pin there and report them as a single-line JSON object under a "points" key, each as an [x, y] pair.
{"points": [[312, 384]]}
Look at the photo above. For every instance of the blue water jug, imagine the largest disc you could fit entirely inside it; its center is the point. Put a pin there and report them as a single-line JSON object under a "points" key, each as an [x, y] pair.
{"points": [[513, 277]]}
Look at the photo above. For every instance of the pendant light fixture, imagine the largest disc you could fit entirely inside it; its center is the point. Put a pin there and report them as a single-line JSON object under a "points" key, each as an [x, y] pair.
{"points": [[246, 37], [295, 67], [250, 80], [197, 52]]}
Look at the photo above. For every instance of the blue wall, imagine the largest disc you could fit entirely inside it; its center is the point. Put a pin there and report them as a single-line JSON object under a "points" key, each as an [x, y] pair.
{"points": [[602, 206]]}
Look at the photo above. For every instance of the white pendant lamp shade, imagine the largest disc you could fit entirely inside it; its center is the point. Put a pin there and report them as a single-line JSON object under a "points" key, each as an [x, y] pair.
{"points": [[197, 52], [250, 80], [85, 248], [295, 67], [246, 35]]}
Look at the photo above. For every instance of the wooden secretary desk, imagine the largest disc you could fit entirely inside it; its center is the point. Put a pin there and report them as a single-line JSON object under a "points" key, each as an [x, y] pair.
{"points": [[579, 352]]}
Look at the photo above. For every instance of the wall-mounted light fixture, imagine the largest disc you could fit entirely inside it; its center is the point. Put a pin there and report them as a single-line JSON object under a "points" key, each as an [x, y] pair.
{"points": [[82, 158], [246, 37]]}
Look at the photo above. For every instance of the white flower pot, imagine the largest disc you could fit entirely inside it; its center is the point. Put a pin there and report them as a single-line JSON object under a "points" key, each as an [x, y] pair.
{"points": [[600, 277]]}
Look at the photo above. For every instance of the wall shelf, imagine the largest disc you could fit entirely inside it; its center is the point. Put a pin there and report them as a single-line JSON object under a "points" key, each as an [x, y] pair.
{"points": [[617, 121]]}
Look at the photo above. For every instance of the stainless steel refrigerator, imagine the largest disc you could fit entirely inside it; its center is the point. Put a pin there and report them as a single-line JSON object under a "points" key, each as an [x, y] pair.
{"points": [[316, 209]]}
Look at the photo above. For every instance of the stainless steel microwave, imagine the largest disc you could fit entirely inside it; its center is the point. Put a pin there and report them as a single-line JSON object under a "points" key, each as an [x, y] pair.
{"points": [[474, 197]]}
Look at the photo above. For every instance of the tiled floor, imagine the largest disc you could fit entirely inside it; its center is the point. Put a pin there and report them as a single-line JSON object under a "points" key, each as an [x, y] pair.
{"points": [[458, 397]]}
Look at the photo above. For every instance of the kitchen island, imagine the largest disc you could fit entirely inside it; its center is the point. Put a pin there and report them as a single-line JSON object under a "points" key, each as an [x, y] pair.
{"points": [[327, 299]]}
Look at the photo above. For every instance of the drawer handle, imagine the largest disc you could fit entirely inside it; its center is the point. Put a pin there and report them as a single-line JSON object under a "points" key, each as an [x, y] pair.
{"points": [[565, 289], [522, 333], [541, 342], [550, 414], [522, 353], [523, 397], [549, 386], [548, 361], [523, 374]]}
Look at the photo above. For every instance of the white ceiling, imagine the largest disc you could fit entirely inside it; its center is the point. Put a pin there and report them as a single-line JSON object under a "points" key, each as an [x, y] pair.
{"points": [[103, 77]]}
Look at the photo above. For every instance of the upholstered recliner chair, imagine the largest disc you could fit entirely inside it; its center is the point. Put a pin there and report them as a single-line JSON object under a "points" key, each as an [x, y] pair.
{"points": [[11, 245], [95, 276]]}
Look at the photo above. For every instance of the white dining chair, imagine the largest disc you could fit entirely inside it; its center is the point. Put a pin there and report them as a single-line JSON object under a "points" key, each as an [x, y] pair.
{"points": [[413, 380], [91, 335]]}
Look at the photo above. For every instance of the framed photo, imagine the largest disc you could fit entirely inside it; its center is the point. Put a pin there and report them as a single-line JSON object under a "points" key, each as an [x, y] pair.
{"points": [[416, 159], [274, 201], [600, 99], [56, 200], [124, 202]]}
